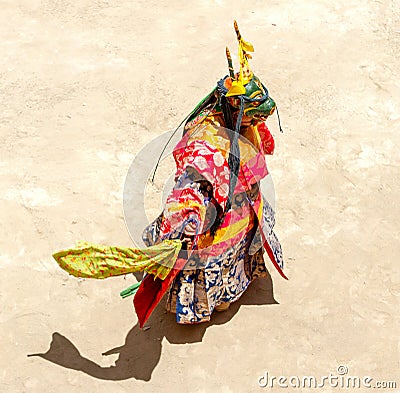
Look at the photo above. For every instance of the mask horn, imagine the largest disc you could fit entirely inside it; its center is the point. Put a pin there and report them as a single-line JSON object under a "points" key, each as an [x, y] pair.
{"points": [[230, 66]]}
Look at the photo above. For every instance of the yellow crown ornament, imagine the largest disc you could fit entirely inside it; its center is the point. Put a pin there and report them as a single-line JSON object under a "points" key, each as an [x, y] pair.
{"points": [[245, 74]]}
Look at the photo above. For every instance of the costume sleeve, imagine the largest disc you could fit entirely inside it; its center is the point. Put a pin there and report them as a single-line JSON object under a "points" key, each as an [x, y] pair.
{"points": [[185, 209], [202, 182], [209, 162], [267, 140]]}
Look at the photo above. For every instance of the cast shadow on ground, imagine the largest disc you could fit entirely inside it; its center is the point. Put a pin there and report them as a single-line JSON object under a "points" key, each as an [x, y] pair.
{"points": [[141, 352]]}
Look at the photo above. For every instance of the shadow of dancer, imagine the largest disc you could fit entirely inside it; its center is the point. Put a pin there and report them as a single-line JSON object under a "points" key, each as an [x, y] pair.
{"points": [[141, 352]]}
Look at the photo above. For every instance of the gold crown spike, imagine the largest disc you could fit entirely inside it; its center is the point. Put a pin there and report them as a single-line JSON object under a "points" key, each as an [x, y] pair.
{"points": [[247, 46], [245, 73]]}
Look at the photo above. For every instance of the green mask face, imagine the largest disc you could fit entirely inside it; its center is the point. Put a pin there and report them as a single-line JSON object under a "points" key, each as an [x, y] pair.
{"points": [[257, 109]]}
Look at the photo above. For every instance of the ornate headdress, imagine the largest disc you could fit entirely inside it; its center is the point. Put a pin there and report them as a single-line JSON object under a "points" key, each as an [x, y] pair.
{"points": [[246, 91]]}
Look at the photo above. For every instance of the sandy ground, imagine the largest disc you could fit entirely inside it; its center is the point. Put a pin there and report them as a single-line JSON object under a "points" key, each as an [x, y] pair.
{"points": [[86, 84]]}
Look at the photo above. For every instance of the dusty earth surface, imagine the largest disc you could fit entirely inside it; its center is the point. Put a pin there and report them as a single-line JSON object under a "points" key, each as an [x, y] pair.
{"points": [[86, 84]]}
